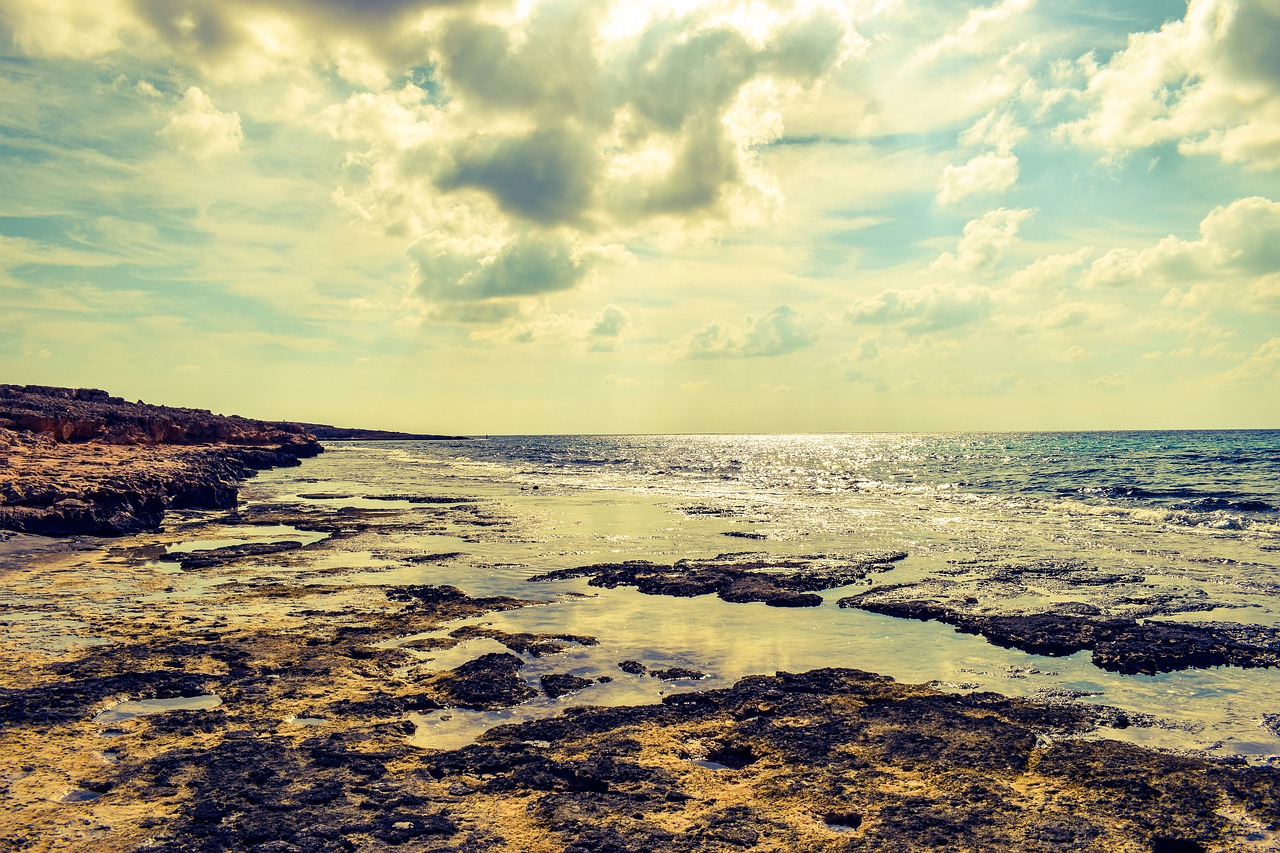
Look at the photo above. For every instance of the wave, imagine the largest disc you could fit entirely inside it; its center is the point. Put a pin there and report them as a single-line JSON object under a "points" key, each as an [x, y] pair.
{"points": [[1175, 498]]}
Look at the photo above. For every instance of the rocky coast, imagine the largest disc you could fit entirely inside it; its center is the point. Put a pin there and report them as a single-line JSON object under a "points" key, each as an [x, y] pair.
{"points": [[80, 461], [255, 676]]}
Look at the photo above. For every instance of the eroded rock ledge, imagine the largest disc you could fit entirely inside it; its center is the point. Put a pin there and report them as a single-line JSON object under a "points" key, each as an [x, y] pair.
{"points": [[76, 461]]}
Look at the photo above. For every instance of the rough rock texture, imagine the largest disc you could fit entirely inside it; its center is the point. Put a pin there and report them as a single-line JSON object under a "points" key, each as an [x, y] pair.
{"points": [[829, 760], [81, 461], [87, 414], [310, 750], [735, 578], [1118, 645]]}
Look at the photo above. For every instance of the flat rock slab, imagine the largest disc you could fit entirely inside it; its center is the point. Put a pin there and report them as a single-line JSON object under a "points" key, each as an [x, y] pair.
{"points": [[739, 579], [1118, 645], [230, 553]]}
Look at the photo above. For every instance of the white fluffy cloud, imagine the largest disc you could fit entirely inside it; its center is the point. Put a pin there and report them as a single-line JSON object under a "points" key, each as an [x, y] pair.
{"points": [[1052, 271], [1209, 81], [1262, 365], [599, 333], [542, 132], [928, 308], [983, 29], [985, 240], [450, 270], [986, 173], [202, 130], [1237, 241], [514, 139], [781, 331]]}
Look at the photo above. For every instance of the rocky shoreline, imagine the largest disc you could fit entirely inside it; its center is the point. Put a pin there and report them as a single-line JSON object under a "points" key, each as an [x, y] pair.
{"points": [[79, 461], [272, 694], [305, 748]]}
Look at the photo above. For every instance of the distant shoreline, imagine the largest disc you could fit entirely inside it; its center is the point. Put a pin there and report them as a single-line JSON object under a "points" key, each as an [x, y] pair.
{"points": [[325, 432], [77, 461]]}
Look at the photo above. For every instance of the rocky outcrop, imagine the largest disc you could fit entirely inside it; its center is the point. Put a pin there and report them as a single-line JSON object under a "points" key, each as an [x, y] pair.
{"points": [[88, 414], [736, 578], [79, 461], [1118, 645]]}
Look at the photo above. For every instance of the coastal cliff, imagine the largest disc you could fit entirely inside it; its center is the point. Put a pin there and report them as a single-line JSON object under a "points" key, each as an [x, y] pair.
{"points": [[80, 461]]}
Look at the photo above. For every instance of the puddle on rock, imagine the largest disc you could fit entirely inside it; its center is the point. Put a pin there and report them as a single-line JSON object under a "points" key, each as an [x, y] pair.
{"points": [[133, 708], [246, 535]]}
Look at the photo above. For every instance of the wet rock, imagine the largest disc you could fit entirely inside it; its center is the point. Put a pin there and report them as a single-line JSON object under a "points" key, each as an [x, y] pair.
{"points": [[739, 579], [421, 499], [80, 698], [556, 685], [868, 761], [450, 600], [676, 673], [535, 645], [487, 683], [230, 553], [1118, 645]]}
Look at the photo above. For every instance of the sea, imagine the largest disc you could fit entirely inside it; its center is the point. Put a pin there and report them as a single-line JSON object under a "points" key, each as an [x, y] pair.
{"points": [[1179, 526]]}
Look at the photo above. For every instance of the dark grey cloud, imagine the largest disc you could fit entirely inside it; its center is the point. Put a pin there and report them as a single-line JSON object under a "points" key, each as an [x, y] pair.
{"points": [[672, 87], [546, 177]]}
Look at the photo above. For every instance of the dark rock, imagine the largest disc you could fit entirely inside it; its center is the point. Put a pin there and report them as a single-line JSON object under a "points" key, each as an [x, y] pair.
{"points": [[1118, 645], [557, 685], [487, 683], [676, 673], [230, 553], [535, 645], [789, 582]]}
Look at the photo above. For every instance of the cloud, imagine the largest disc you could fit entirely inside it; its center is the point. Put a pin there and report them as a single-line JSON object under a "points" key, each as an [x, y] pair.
{"points": [[67, 27], [1052, 271], [997, 130], [545, 177], [984, 240], [986, 173], [507, 145], [981, 31], [1110, 382], [781, 331], [1261, 365], [1238, 239], [1072, 315], [233, 40], [200, 129], [610, 323], [929, 308], [546, 125], [600, 333], [451, 270], [1209, 82]]}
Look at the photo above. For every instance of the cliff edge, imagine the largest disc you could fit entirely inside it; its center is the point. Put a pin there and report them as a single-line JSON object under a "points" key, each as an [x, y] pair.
{"points": [[78, 460]]}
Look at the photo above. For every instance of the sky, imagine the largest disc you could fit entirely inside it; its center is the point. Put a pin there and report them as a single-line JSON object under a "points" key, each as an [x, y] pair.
{"points": [[629, 217]]}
